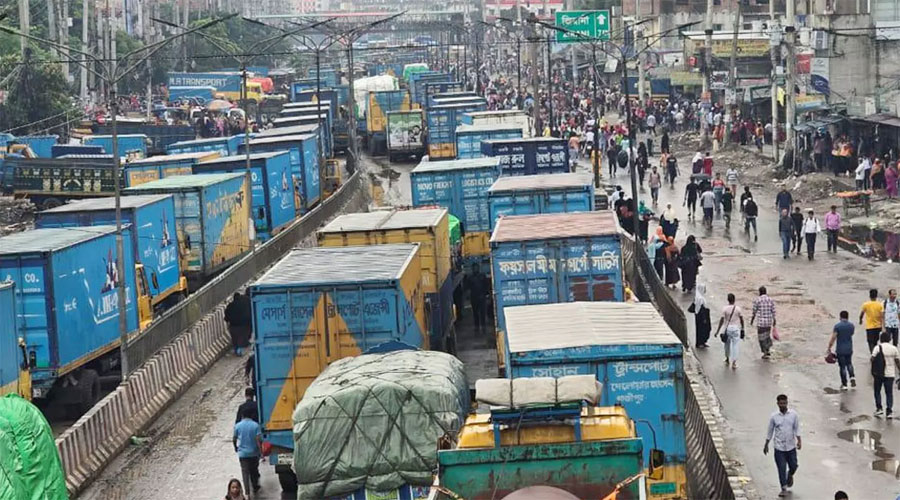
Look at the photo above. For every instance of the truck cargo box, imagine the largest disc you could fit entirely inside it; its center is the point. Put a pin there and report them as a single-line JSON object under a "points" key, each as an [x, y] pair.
{"points": [[128, 143], [318, 305], [160, 136], [304, 156], [137, 172], [68, 306], [540, 194], [310, 118], [405, 133], [10, 353], [461, 187], [552, 258], [630, 349], [538, 155], [272, 189], [380, 103], [212, 214], [469, 137], [311, 128], [501, 117], [431, 89], [42, 145], [153, 234], [49, 182], [427, 227], [442, 121], [75, 149], [225, 146]]}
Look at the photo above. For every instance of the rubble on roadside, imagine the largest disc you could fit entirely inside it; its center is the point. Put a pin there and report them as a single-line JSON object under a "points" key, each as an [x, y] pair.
{"points": [[15, 215]]}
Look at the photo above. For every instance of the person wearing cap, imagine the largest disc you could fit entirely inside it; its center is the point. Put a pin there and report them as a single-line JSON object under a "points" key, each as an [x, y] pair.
{"points": [[811, 228]]}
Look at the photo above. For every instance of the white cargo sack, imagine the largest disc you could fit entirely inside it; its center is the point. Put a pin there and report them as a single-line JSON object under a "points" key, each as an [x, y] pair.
{"points": [[517, 392], [375, 420]]}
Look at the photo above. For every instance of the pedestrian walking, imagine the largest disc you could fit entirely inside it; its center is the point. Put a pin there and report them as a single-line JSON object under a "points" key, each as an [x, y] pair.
{"points": [[873, 311], [833, 227], [702, 322], [797, 234], [811, 229], [727, 206], [657, 247], [248, 407], [235, 490], [247, 441], [892, 315], [664, 142], [655, 182], [478, 286], [672, 255], [885, 363], [842, 340], [784, 434], [733, 320], [764, 317], [785, 230], [860, 174], [708, 204], [784, 200], [671, 169], [237, 317], [690, 261], [718, 187], [690, 198], [731, 177], [751, 211]]}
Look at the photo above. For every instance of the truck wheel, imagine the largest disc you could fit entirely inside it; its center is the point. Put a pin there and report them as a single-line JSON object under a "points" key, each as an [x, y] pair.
{"points": [[89, 389], [288, 481]]}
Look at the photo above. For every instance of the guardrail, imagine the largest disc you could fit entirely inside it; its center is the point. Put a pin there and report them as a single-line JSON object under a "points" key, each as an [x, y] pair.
{"points": [[177, 349]]}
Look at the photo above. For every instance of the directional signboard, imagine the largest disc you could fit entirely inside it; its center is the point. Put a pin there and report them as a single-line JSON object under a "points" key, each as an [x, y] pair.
{"points": [[590, 24]]}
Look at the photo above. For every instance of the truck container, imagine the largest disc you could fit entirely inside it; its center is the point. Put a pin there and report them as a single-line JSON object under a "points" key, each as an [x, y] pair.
{"points": [[461, 187], [49, 182], [329, 95], [304, 156], [380, 104], [225, 146], [212, 214], [442, 121], [434, 89], [12, 377], [307, 107], [42, 145], [227, 84], [454, 98], [418, 81], [310, 118], [552, 258], [301, 85], [75, 149], [153, 236], [584, 451], [631, 350], [431, 230], [128, 144], [137, 172], [501, 117], [68, 306], [658, 88], [199, 94], [271, 188], [160, 136], [469, 137], [538, 155], [405, 134], [318, 305], [312, 129], [540, 194]]}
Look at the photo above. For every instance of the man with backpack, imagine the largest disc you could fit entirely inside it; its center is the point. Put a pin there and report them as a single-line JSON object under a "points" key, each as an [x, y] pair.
{"points": [[885, 364]]}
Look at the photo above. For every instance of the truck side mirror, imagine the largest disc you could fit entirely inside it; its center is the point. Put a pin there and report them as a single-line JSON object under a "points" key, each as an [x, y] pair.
{"points": [[657, 460]]}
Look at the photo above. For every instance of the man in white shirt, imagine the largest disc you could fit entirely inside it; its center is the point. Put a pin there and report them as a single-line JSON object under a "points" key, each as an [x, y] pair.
{"points": [[811, 228], [892, 315], [784, 432], [885, 364]]}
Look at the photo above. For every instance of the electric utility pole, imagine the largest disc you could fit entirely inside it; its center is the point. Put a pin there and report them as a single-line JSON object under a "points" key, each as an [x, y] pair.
{"points": [[790, 39]]}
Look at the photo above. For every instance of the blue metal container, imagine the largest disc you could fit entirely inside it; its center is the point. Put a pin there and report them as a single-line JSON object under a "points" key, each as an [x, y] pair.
{"points": [[454, 98], [552, 258], [434, 89], [153, 234], [630, 349], [42, 145], [469, 137], [318, 305], [154, 168], [225, 146], [161, 136], [417, 82], [212, 217], [538, 155], [222, 81], [460, 186], [128, 143], [272, 189], [10, 354], [310, 118], [304, 155], [312, 129], [68, 305], [300, 86], [325, 94], [71, 149], [201, 94], [442, 121], [540, 194]]}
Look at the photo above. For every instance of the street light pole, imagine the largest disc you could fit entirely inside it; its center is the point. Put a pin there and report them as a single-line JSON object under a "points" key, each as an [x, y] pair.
{"points": [[550, 84], [595, 152]]}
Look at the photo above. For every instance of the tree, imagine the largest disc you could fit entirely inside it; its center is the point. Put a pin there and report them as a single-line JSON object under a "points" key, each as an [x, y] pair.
{"points": [[26, 111]]}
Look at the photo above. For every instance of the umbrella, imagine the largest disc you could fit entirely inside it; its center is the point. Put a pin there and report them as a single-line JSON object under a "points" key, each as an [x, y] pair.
{"points": [[218, 105]]}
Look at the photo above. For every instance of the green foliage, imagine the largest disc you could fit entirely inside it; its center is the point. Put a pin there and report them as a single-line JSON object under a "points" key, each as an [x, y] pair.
{"points": [[36, 112], [234, 36]]}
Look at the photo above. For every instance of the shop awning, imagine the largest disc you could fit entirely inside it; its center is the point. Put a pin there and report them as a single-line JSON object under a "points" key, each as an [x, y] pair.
{"points": [[882, 119], [819, 122]]}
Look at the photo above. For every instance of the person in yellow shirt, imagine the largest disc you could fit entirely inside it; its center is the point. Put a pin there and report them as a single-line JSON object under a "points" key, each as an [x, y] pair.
{"points": [[873, 311]]}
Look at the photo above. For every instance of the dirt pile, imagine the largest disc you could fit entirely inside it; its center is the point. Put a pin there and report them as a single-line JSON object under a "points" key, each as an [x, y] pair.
{"points": [[15, 215]]}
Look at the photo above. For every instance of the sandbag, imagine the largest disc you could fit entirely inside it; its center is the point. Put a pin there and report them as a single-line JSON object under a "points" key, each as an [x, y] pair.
{"points": [[519, 392]]}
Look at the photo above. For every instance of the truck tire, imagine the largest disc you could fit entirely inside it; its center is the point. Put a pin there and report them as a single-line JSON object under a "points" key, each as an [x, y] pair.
{"points": [[288, 481], [89, 389]]}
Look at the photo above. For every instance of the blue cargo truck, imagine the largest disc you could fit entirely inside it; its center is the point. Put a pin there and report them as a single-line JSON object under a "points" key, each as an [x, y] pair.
{"points": [[160, 136], [305, 170], [442, 121], [538, 155], [469, 137], [461, 187], [271, 187], [310, 118], [212, 218], [225, 146], [68, 307], [553, 258], [418, 81], [318, 305], [42, 145], [631, 350], [540, 194], [13, 375], [432, 89], [154, 239], [128, 144], [340, 124]]}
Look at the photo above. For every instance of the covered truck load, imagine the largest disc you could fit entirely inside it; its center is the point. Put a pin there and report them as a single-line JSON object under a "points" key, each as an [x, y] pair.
{"points": [[154, 168], [369, 426], [30, 468], [540, 194]]}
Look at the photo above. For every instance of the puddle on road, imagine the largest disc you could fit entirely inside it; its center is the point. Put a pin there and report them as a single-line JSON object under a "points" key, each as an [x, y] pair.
{"points": [[871, 441], [875, 244]]}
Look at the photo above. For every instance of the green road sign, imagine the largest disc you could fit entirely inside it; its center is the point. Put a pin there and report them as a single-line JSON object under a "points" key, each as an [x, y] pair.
{"points": [[590, 24]]}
